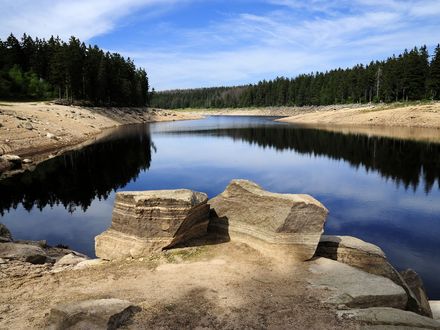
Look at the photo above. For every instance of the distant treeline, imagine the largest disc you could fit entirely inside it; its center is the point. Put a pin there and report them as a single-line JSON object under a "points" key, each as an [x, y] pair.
{"points": [[409, 76], [40, 69]]}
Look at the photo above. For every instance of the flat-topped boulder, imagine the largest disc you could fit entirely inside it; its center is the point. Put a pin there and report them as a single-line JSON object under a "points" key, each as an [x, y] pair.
{"points": [[371, 259], [269, 221], [149, 221], [351, 287]]}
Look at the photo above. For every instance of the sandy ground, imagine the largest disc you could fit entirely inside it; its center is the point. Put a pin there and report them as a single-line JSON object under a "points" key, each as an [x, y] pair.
{"points": [[24, 127], [216, 286]]}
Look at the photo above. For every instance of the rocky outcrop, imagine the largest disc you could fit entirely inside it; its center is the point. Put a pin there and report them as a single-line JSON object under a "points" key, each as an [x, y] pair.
{"points": [[149, 221], [388, 318], [371, 259], [91, 314], [354, 288], [288, 223]]}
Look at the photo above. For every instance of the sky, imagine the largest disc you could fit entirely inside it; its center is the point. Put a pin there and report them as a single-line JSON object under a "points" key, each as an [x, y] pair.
{"points": [[195, 43]]}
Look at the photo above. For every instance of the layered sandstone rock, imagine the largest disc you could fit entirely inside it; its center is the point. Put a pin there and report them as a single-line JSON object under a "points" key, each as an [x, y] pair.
{"points": [[353, 288], [149, 221], [269, 221], [371, 259]]}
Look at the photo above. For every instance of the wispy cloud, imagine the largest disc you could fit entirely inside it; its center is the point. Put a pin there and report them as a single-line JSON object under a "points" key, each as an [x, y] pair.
{"points": [[83, 18], [239, 45]]}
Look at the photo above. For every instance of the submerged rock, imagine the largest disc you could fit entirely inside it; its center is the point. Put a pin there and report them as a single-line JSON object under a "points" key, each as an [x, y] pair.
{"points": [[149, 221], [354, 288], [267, 221], [370, 258], [388, 318], [91, 314]]}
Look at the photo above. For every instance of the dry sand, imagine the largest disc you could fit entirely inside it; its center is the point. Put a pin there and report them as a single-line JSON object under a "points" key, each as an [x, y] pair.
{"points": [[216, 286]]}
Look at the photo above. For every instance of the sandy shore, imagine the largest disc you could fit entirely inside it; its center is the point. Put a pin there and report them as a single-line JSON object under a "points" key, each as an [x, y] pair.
{"points": [[217, 286], [40, 130], [417, 121]]}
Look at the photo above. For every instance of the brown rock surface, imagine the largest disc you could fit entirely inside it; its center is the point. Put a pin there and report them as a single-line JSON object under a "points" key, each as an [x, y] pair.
{"points": [[371, 259], [288, 223], [350, 287], [415, 283], [151, 221]]}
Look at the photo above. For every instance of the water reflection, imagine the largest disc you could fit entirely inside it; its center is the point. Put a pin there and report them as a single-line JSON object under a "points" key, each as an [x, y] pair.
{"points": [[405, 162], [76, 178]]}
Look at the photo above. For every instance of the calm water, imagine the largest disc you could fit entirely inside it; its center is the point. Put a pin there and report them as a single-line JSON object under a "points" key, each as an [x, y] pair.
{"points": [[382, 190]]}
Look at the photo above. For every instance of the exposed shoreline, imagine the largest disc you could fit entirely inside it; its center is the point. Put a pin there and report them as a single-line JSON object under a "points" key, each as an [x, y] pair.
{"points": [[41, 130], [414, 121]]}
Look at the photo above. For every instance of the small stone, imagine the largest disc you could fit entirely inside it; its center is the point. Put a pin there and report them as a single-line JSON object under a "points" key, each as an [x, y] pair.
{"points": [[51, 136], [3, 261], [27, 161], [28, 126], [12, 159]]}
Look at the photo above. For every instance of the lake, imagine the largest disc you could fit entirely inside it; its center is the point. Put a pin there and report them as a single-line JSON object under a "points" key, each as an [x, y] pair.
{"points": [[385, 191]]}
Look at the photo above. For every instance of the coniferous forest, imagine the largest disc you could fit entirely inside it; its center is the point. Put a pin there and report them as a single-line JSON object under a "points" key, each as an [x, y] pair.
{"points": [[47, 69], [413, 75]]}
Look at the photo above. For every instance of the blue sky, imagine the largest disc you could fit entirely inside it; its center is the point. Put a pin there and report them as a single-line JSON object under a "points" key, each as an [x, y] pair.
{"points": [[195, 43]]}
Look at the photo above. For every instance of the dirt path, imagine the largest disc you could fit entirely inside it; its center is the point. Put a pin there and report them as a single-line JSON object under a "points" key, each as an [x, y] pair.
{"points": [[218, 286]]}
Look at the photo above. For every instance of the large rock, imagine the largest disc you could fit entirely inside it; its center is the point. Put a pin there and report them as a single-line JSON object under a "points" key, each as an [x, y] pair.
{"points": [[435, 308], [269, 221], [91, 314], [149, 221], [370, 258], [354, 288], [388, 318], [415, 283], [68, 261], [5, 234], [23, 252]]}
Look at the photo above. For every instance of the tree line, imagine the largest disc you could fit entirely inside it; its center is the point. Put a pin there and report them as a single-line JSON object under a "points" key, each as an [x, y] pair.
{"points": [[46, 69], [411, 75]]}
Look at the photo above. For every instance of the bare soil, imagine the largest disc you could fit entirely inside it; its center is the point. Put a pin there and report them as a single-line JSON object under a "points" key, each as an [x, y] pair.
{"points": [[216, 286]]}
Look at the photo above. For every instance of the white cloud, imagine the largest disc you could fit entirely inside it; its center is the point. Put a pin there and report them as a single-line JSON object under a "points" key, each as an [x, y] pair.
{"points": [[82, 18]]}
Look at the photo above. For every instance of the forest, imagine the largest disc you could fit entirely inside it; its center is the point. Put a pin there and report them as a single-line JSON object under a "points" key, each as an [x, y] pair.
{"points": [[38, 69], [412, 75]]}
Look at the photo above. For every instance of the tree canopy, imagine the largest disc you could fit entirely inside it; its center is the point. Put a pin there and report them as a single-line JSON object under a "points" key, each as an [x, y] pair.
{"points": [[408, 76], [39, 69]]}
